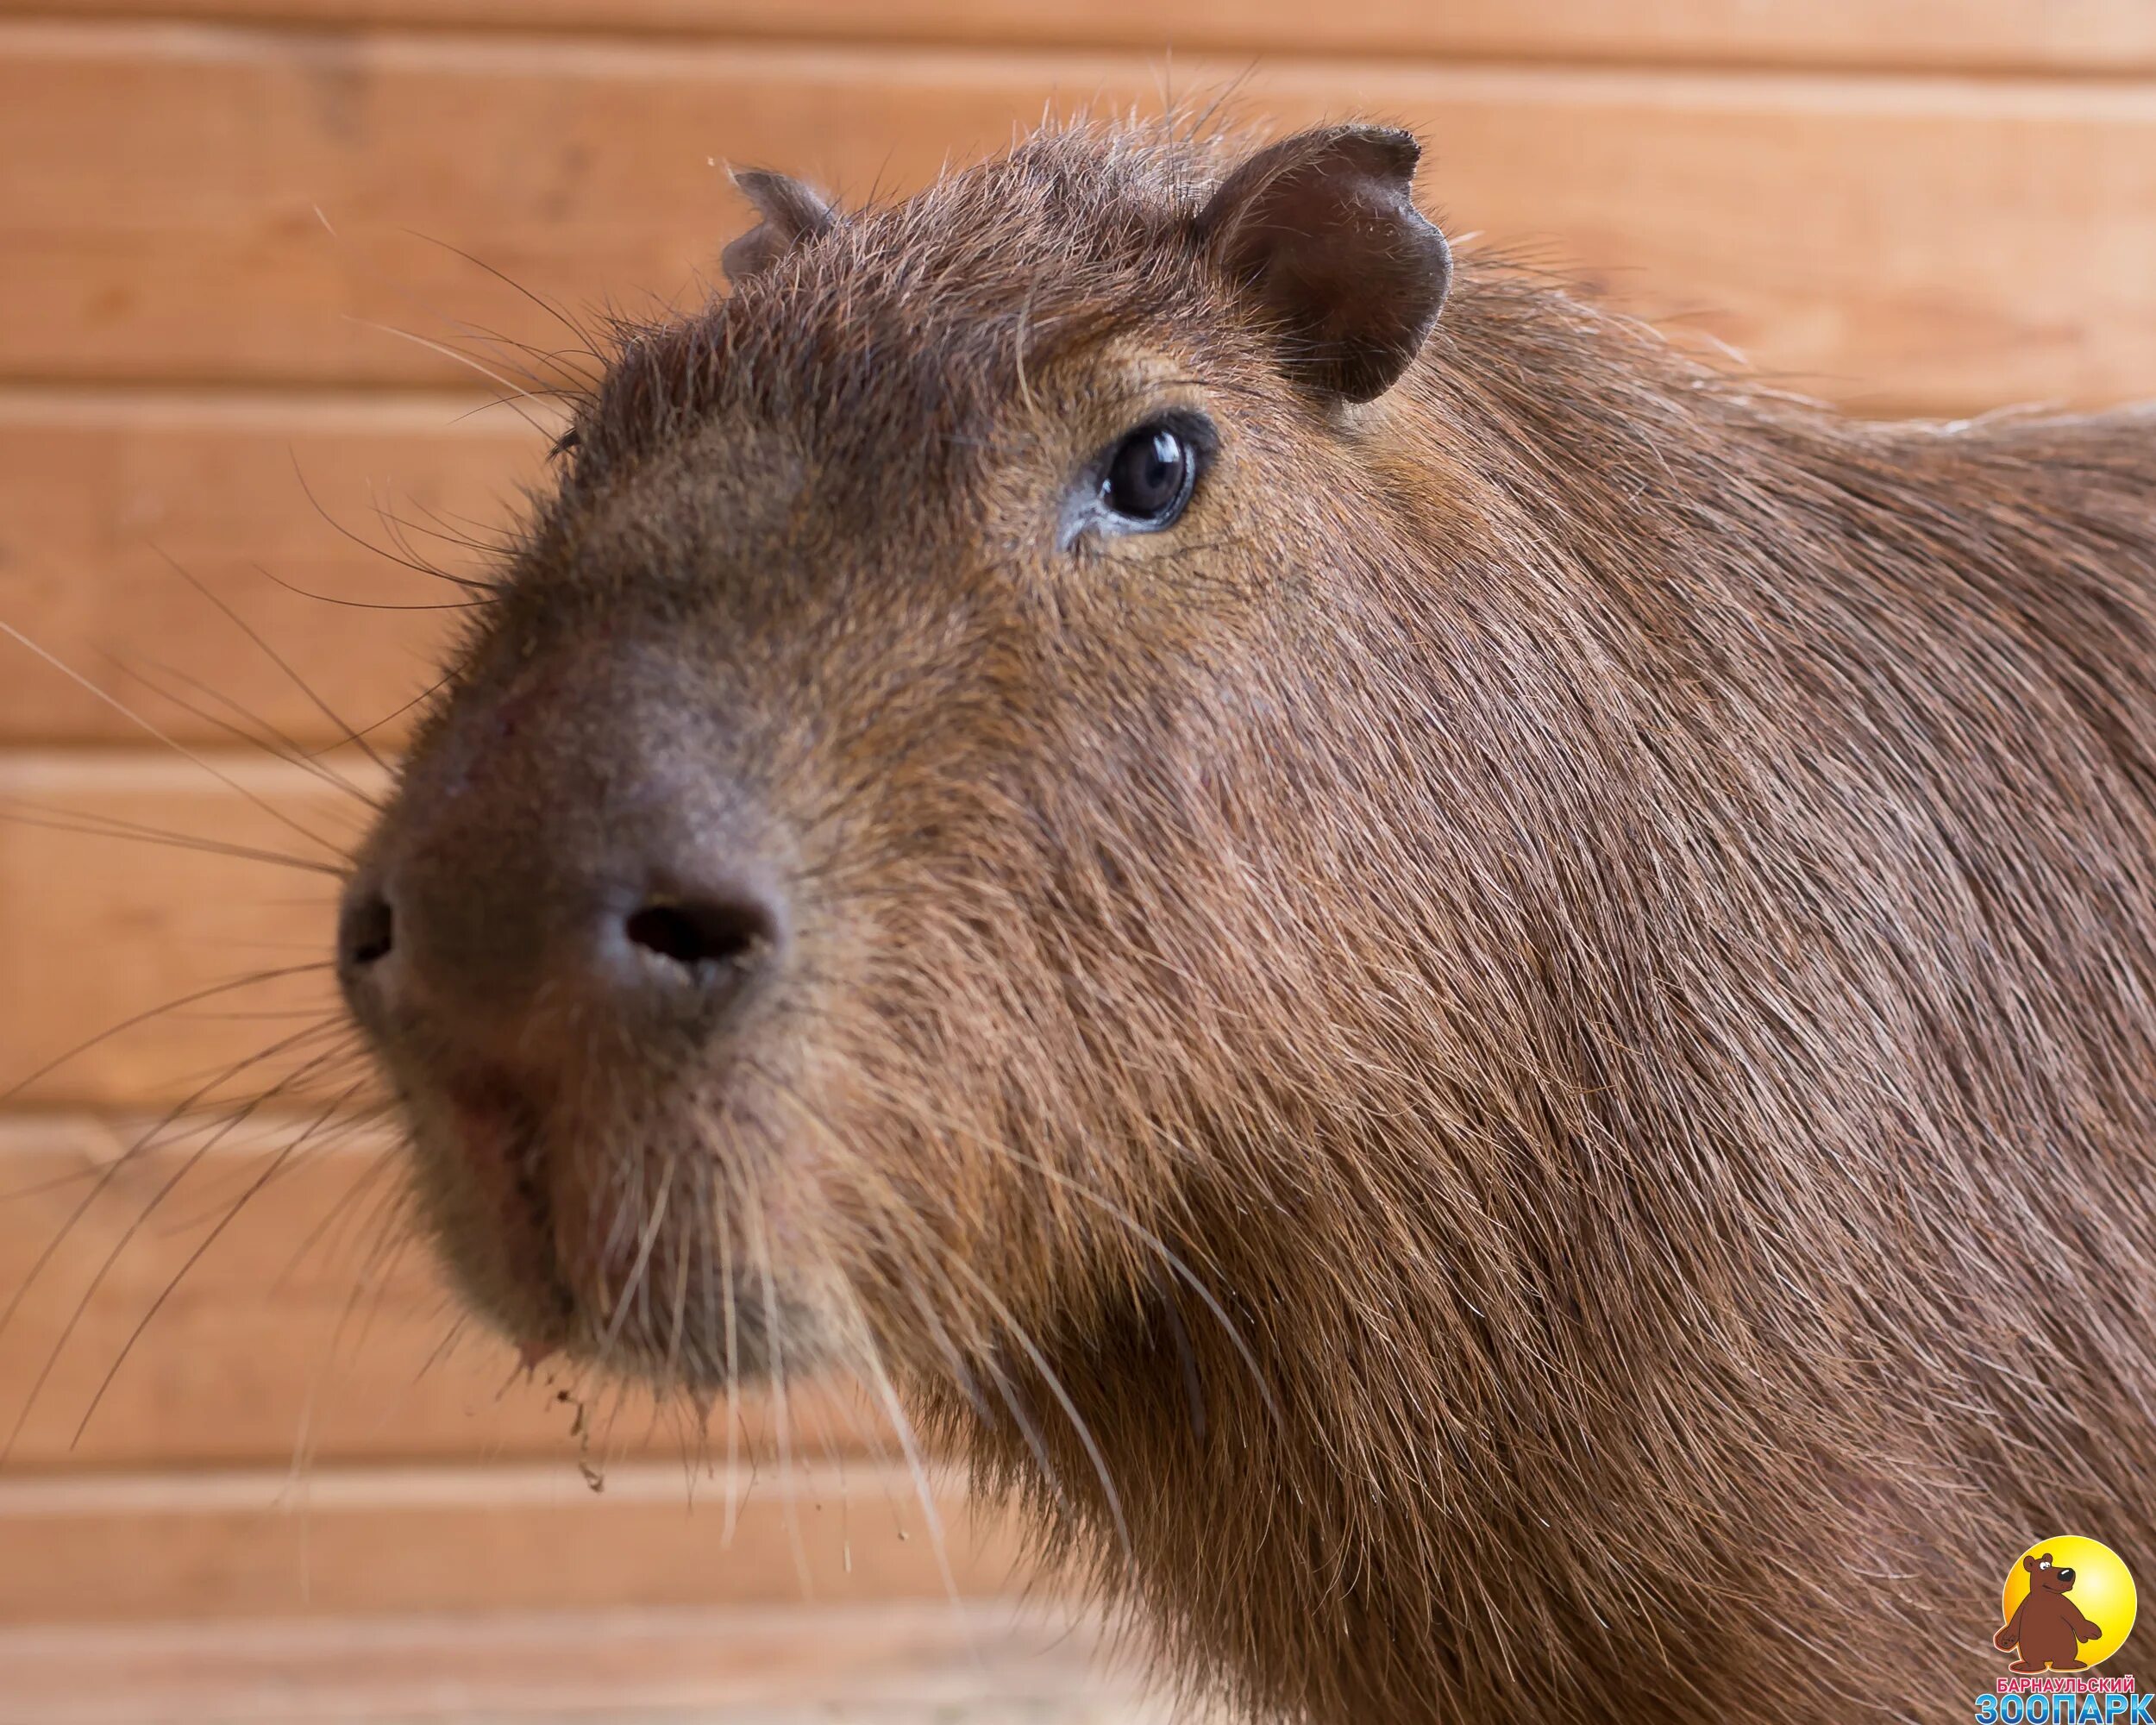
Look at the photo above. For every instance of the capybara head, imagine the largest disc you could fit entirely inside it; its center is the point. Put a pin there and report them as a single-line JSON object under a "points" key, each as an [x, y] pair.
{"points": [[879, 847], [2045, 1577]]}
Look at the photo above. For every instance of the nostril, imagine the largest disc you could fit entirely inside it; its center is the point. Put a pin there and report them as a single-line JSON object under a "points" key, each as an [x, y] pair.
{"points": [[366, 931], [702, 934]]}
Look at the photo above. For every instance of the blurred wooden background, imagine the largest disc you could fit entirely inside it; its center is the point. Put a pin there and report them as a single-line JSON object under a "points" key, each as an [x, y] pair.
{"points": [[238, 239]]}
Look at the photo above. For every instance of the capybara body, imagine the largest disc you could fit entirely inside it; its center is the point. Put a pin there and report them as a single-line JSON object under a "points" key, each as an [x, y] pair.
{"points": [[1503, 1061], [2046, 1629]]}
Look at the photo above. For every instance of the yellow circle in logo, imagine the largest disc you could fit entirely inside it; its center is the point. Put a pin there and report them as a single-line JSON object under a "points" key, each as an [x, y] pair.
{"points": [[2102, 1591]]}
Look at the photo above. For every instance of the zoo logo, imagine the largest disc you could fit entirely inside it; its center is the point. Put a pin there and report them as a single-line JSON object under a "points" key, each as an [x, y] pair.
{"points": [[2068, 1606]]}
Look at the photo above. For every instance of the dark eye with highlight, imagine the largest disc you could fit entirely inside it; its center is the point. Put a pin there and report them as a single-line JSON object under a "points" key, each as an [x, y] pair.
{"points": [[1150, 476], [1143, 481]]}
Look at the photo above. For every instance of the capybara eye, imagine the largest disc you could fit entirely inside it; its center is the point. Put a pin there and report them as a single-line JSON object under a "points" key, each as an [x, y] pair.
{"points": [[1150, 476]]}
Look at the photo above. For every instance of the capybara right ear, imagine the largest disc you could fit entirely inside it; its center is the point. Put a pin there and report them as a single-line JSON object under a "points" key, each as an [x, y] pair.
{"points": [[1322, 226], [792, 212], [2030, 1564]]}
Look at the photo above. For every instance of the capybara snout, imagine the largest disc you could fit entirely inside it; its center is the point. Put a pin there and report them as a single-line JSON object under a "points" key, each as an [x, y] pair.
{"points": [[824, 816], [631, 891], [560, 933]]}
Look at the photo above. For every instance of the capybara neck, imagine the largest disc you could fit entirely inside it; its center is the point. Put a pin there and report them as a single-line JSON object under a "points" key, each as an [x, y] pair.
{"points": [[1682, 1209]]}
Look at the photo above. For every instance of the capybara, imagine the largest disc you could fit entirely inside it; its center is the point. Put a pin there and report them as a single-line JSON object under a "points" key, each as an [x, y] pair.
{"points": [[1477, 1002], [2047, 1629]]}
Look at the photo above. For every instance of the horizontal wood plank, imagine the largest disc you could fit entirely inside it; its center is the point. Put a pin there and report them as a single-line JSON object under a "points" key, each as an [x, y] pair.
{"points": [[534, 1537], [2082, 35], [241, 204], [292, 510], [99, 926], [917, 1663], [253, 1311]]}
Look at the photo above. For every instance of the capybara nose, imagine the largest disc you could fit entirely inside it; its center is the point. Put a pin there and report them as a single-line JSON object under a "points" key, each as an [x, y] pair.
{"points": [[705, 940], [572, 868], [496, 963], [366, 932]]}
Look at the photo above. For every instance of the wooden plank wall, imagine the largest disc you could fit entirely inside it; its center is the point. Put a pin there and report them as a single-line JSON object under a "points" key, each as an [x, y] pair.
{"points": [[247, 292]]}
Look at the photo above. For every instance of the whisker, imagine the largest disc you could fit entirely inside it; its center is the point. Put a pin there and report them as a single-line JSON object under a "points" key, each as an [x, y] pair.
{"points": [[485, 538], [546, 305], [1176, 1265], [377, 1163], [112, 1257], [277, 660], [643, 1256], [379, 605], [439, 526], [331, 1130], [902, 1428], [1030, 1433], [50, 818], [781, 1405], [399, 532], [252, 980], [680, 1318], [931, 1518], [285, 1016], [442, 1349], [350, 1054], [1145, 1237], [372, 1273], [733, 1365], [448, 351], [419, 700], [546, 373], [368, 545], [178, 747], [899, 1215], [1056, 1387], [267, 736], [195, 1256], [431, 309]]}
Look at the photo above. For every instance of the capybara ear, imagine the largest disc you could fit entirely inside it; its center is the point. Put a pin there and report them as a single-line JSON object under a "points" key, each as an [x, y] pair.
{"points": [[1322, 226], [2032, 1564], [792, 212]]}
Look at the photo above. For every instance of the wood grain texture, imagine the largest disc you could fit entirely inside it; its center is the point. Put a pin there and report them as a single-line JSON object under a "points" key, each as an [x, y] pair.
{"points": [[900, 1664], [2081, 35], [1935, 243], [97, 929], [106, 495], [532, 1537], [260, 1301]]}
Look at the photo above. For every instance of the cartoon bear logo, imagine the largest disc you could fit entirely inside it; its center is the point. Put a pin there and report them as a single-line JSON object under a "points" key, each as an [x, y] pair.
{"points": [[2046, 1627]]}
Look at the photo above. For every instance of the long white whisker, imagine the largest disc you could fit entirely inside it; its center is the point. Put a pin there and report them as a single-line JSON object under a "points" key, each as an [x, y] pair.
{"points": [[761, 1249], [177, 747]]}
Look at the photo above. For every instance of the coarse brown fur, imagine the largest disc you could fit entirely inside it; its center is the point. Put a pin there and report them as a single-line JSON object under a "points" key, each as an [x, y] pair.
{"points": [[1509, 1076]]}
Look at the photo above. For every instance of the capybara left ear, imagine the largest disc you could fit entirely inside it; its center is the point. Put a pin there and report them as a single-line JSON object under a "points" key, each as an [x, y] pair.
{"points": [[792, 212], [2031, 1564], [1322, 226]]}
